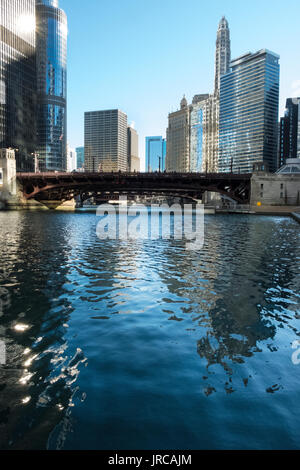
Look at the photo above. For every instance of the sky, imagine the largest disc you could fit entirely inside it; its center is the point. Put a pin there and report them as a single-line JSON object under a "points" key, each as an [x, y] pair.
{"points": [[141, 56]]}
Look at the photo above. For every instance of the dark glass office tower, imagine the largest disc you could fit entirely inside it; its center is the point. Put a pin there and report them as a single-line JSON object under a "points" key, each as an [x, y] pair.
{"points": [[51, 51], [18, 80], [289, 144], [248, 123]]}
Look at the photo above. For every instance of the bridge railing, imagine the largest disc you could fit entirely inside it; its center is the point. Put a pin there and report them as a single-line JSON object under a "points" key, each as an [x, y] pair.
{"points": [[75, 174]]}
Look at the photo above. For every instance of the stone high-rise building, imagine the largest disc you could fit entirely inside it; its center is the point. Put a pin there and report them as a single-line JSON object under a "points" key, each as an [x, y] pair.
{"points": [[178, 139], [133, 160], [205, 114], [223, 52], [105, 140], [210, 161], [195, 148], [204, 134]]}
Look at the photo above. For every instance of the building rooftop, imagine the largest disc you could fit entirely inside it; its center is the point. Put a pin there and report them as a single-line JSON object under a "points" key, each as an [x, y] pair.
{"points": [[292, 166], [250, 56], [223, 23]]}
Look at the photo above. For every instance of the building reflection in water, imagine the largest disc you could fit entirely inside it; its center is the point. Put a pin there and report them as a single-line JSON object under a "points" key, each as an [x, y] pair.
{"points": [[82, 316], [39, 377], [230, 294]]}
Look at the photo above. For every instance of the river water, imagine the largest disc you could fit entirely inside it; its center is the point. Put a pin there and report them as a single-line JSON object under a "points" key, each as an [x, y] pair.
{"points": [[144, 344]]}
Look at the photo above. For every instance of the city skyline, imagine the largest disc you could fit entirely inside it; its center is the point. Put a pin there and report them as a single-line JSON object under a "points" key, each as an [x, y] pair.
{"points": [[149, 97], [149, 308]]}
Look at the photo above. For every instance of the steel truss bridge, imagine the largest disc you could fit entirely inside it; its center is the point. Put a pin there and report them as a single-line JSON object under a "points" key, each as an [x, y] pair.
{"points": [[61, 187]]}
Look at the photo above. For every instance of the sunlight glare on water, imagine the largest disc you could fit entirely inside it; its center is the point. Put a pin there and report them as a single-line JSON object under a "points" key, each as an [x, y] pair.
{"points": [[144, 344]]}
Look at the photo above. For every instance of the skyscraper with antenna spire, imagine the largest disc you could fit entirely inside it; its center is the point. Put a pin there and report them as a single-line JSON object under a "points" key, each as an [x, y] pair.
{"points": [[193, 132], [205, 113], [223, 52]]}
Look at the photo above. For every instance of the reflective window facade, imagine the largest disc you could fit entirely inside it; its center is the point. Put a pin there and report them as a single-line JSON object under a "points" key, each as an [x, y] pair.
{"points": [[50, 3], [156, 149], [204, 133], [289, 144], [105, 140], [248, 122], [196, 148], [80, 157], [18, 80], [51, 47]]}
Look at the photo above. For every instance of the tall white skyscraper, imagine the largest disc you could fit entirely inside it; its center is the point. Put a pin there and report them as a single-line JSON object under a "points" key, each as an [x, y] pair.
{"points": [[210, 136], [133, 149], [223, 52], [193, 132], [71, 159]]}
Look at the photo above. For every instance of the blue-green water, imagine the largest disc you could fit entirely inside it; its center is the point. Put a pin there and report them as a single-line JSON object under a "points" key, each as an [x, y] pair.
{"points": [[145, 345]]}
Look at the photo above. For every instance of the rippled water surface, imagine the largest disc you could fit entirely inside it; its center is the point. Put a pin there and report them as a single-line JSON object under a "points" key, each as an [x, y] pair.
{"points": [[144, 345]]}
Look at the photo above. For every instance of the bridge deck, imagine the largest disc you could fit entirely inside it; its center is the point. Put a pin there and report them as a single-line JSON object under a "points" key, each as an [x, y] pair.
{"points": [[153, 175], [63, 186]]}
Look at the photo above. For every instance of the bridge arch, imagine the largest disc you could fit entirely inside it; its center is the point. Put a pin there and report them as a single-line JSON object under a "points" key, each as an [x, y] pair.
{"points": [[62, 187]]}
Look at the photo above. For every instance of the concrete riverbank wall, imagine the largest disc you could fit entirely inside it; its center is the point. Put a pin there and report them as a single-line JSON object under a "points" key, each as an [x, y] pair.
{"points": [[281, 190], [296, 216]]}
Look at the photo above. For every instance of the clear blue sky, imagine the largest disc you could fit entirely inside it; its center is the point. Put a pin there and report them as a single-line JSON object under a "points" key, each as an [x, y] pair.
{"points": [[141, 56]]}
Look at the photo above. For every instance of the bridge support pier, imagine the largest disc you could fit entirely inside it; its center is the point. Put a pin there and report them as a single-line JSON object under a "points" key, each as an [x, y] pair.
{"points": [[53, 205], [11, 191], [8, 181]]}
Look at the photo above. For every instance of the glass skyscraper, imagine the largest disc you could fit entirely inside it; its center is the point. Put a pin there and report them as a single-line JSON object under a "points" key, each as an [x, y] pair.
{"points": [[51, 51], [289, 144], [80, 157], [248, 122], [197, 132], [18, 80], [156, 149]]}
